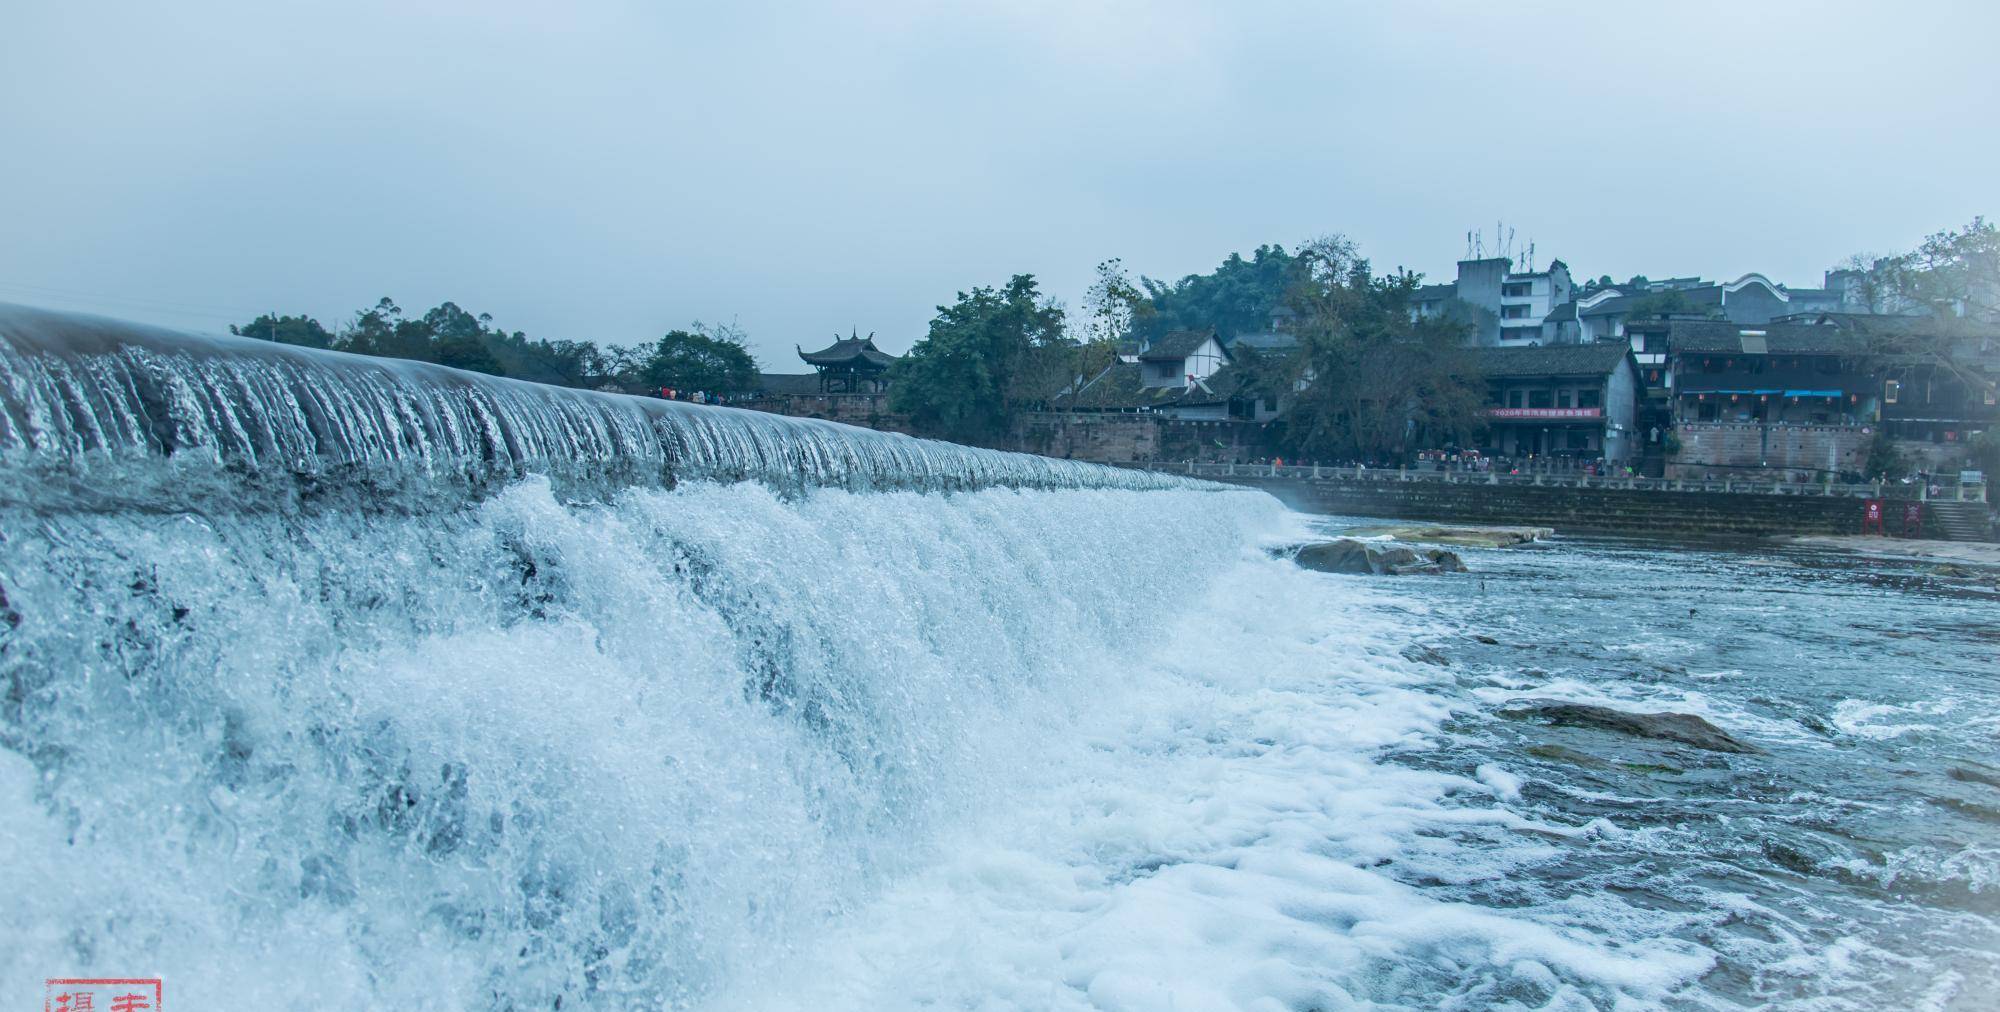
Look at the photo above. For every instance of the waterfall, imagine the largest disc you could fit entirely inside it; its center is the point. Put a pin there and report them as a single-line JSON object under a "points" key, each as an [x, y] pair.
{"points": [[83, 399], [522, 748]]}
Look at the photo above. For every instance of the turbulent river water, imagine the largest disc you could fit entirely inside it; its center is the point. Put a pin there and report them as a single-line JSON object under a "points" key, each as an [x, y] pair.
{"points": [[334, 683]]}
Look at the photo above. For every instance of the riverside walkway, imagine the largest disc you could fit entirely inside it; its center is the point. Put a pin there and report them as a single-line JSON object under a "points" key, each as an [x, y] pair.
{"points": [[1573, 500], [1577, 479]]}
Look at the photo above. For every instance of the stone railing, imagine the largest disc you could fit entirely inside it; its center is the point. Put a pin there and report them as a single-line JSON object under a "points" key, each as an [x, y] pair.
{"points": [[1575, 479]]}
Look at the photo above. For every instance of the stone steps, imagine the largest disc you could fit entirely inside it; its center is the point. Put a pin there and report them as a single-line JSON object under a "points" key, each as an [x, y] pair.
{"points": [[1956, 521]]}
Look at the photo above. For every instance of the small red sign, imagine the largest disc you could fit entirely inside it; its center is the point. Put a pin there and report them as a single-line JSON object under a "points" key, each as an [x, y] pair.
{"points": [[1544, 412], [101, 994]]}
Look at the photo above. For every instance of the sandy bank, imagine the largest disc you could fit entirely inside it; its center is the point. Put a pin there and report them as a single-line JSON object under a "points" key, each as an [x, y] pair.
{"points": [[1975, 553]]}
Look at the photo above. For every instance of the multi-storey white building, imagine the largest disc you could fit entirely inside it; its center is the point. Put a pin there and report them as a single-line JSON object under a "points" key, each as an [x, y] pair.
{"points": [[1508, 305]]}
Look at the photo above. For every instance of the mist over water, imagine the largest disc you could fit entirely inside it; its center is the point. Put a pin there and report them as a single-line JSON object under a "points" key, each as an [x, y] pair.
{"points": [[332, 685]]}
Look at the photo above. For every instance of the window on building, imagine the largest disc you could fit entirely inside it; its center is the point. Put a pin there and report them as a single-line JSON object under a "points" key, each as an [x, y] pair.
{"points": [[1515, 399], [1587, 398], [1518, 289], [1513, 312], [1541, 399], [1565, 398], [1891, 389]]}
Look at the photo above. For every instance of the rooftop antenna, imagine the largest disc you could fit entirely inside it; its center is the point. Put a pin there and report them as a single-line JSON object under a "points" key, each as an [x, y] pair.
{"points": [[1468, 245], [1479, 245], [1531, 256]]}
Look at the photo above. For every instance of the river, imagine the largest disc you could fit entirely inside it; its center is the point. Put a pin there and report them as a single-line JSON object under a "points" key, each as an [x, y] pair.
{"points": [[334, 683]]}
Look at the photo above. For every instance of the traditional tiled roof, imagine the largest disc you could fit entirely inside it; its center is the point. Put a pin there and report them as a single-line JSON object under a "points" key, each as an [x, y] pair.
{"points": [[1720, 338], [1553, 360], [1269, 340], [850, 351], [1891, 325], [1176, 346], [785, 384], [1700, 298], [1120, 388]]}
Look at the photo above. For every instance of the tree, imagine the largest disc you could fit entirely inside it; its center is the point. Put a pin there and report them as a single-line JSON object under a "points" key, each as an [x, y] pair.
{"points": [[562, 363], [450, 335], [1654, 304], [1951, 281], [708, 359], [373, 330], [983, 360], [1954, 274], [1113, 306], [1375, 382], [302, 330], [1986, 452], [1236, 298], [1884, 459]]}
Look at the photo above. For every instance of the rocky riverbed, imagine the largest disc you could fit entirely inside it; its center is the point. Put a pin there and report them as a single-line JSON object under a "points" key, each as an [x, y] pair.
{"points": [[1787, 757]]}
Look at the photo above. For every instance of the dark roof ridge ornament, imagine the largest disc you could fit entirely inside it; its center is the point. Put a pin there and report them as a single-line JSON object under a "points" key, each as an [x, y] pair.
{"points": [[853, 351]]}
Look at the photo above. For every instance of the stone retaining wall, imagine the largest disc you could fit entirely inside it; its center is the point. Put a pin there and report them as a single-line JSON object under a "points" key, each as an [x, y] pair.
{"points": [[1615, 510], [1724, 449]]}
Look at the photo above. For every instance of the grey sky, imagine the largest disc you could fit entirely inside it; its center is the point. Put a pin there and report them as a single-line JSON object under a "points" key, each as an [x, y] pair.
{"points": [[609, 170]]}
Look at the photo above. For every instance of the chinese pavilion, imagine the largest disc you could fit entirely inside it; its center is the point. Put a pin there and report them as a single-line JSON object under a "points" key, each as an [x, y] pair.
{"points": [[850, 365]]}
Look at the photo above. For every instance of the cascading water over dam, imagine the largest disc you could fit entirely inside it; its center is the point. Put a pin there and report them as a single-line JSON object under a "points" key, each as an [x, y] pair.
{"points": [[82, 392], [468, 692], [336, 682]]}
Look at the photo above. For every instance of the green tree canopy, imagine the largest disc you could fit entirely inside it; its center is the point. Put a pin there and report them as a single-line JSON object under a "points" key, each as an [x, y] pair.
{"points": [[1236, 298], [300, 330], [1375, 381], [712, 360], [1954, 274], [985, 358], [456, 337], [1654, 304]]}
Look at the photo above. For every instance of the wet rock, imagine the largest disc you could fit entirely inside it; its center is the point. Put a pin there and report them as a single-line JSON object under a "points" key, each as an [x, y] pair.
{"points": [[1446, 561], [1651, 768], [1394, 555], [1969, 775], [1563, 754], [1471, 537], [1347, 555], [1343, 555], [1984, 813], [1685, 728], [1790, 858], [1423, 654], [1483, 638]]}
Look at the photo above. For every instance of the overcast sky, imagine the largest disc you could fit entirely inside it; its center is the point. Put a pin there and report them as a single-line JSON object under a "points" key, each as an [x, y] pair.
{"points": [[609, 170]]}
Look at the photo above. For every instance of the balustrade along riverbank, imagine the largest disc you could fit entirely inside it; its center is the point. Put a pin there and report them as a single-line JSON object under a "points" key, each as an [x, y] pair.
{"points": [[1604, 503]]}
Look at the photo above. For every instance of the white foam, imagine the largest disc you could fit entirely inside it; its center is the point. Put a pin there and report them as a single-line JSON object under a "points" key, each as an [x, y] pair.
{"points": [[1221, 835], [1866, 719]]}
